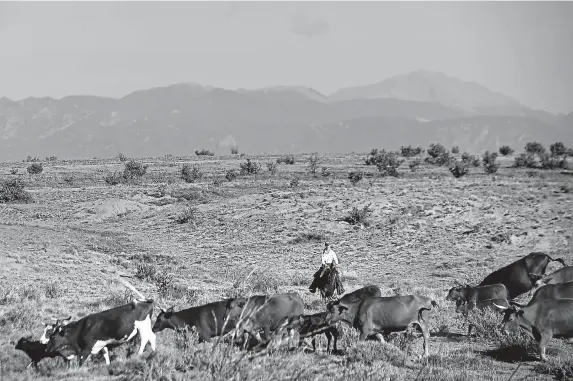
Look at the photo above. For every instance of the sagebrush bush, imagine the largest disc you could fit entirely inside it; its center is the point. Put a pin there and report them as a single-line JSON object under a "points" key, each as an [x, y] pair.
{"points": [[113, 178], [12, 191], [534, 148], [272, 167], [204, 152], [355, 177], [191, 174], [145, 271], [69, 179], [458, 168], [359, 216], [409, 151], [14, 171], [386, 162], [438, 155], [289, 159], [230, 175], [489, 162], [134, 170], [558, 149], [526, 160], [547, 161], [187, 215], [250, 167], [234, 150], [53, 290], [415, 164], [313, 162], [455, 149], [35, 168], [294, 182], [505, 150], [122, 158], [325, 172]]}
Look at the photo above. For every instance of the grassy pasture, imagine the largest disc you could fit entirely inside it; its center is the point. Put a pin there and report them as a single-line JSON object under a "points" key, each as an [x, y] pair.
{"points": [[63, 254]]}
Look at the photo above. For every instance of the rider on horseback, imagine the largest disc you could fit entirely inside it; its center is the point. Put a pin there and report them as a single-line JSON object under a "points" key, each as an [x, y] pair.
{"points": [[329, 259]]}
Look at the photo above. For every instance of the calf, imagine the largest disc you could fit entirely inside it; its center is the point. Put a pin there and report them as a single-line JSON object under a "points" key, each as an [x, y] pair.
{"points": [[542, 320], [472, 295], [94, 333], [209, 320], [310, 326], [35, 350], [377, 315]]}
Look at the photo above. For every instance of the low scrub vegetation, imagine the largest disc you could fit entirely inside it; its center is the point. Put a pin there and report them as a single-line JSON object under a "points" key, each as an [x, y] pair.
{"points": [[289, 159], [204, 152], [313, 162], [187, 215], [191, 174], [410, 151], [234, 150], [535, 148], [35, 168], [230, 175], [386, 162], [272, 167], [458, 168], [489, 162], [134, 170], [250, 167], [438, 155], [359, 216], [455, 150], [505, 150], [355, 177], [415, 164], [12, 191]]}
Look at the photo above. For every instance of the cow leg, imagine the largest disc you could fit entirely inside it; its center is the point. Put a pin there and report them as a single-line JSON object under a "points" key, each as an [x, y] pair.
{"points": [[145, 334], [426, 333], [380, 337], [328, 340], [543, 344], [106, 355]]}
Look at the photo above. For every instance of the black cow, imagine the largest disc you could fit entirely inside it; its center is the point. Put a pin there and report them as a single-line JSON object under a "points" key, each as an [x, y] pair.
{"points": [[542, 319], [35, 350], [375, 316], [463, 307], [310, 326], [564, 274], [94, 333], [472, 295], [263, 313], [208, 319], [515, 276]]}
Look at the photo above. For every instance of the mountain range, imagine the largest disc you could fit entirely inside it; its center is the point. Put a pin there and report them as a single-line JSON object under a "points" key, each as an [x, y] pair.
{"points": [[415, 108]]}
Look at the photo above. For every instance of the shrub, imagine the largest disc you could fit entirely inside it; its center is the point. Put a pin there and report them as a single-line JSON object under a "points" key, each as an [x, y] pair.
{"points": [[458, 168], [355, 177], [250, 167], [122, 157], [386, 162], [359, 216], [313, 163], [113, 178], [35, 168], [231, 175], [325, 172], [217, 181], [558, 149], [145, 271], [455, 149], [436, 150], [505, 150], [289, 159], [191, 174], [204, 152], [234, 150], [69, 179], [534, 148], [294, 182], [272, 167], [547, 161], [409, 151], [12, 191], [53, 290], [14, 171], [189, 214], [134, 169], [414, 164], [489, 164], [526, 160]]}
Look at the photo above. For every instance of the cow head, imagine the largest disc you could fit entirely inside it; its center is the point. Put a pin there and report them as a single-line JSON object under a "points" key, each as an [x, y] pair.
{"points": [[164, 320], [234, 308], [457, 292], [49, 329], [336, 311], [461, 306], [60, 338], [512, 317], [21, 343], [536, 279]]}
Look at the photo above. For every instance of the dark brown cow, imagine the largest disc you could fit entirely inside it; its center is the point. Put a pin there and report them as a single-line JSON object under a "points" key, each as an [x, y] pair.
{"points": [[564, 274], [208, 319], [515, 276], [255, 314], [310, 326], [542, 319], [378, 315]]}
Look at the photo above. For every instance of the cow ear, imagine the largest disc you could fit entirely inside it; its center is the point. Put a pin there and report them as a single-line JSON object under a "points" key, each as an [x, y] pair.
{"points": [[341, 309], [170, 309]]}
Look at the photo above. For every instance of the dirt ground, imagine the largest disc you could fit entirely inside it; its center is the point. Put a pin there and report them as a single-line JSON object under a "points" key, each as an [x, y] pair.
{"points": [[64, 254]]}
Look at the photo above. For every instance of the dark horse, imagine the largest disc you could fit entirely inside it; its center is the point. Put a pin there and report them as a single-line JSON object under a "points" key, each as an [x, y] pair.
{"points": [[329, 283]]}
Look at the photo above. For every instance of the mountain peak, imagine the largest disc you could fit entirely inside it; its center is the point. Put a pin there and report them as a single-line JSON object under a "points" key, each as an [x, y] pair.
{"points": [[430, 86]]}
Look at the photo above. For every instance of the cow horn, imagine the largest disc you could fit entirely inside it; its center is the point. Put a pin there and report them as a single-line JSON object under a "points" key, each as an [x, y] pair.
{"points": [[503, 308]]}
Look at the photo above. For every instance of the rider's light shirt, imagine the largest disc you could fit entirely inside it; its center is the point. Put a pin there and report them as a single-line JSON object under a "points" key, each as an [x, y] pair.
{"points": [[329, 256]]}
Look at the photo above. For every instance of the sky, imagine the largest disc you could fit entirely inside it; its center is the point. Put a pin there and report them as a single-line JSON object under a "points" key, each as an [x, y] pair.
{"points": [[521, 49]]}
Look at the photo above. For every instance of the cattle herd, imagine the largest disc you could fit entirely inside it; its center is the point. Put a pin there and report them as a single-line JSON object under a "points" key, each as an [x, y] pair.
{"points": [[548, 314]]}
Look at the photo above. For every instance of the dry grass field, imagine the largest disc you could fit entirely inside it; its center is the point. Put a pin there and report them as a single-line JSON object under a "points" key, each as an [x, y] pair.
{"points": [[64, 254]]}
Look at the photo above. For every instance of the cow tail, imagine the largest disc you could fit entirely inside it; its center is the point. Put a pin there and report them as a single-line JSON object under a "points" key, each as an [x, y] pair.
{"points": [[560, 260], [130, 286]]}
